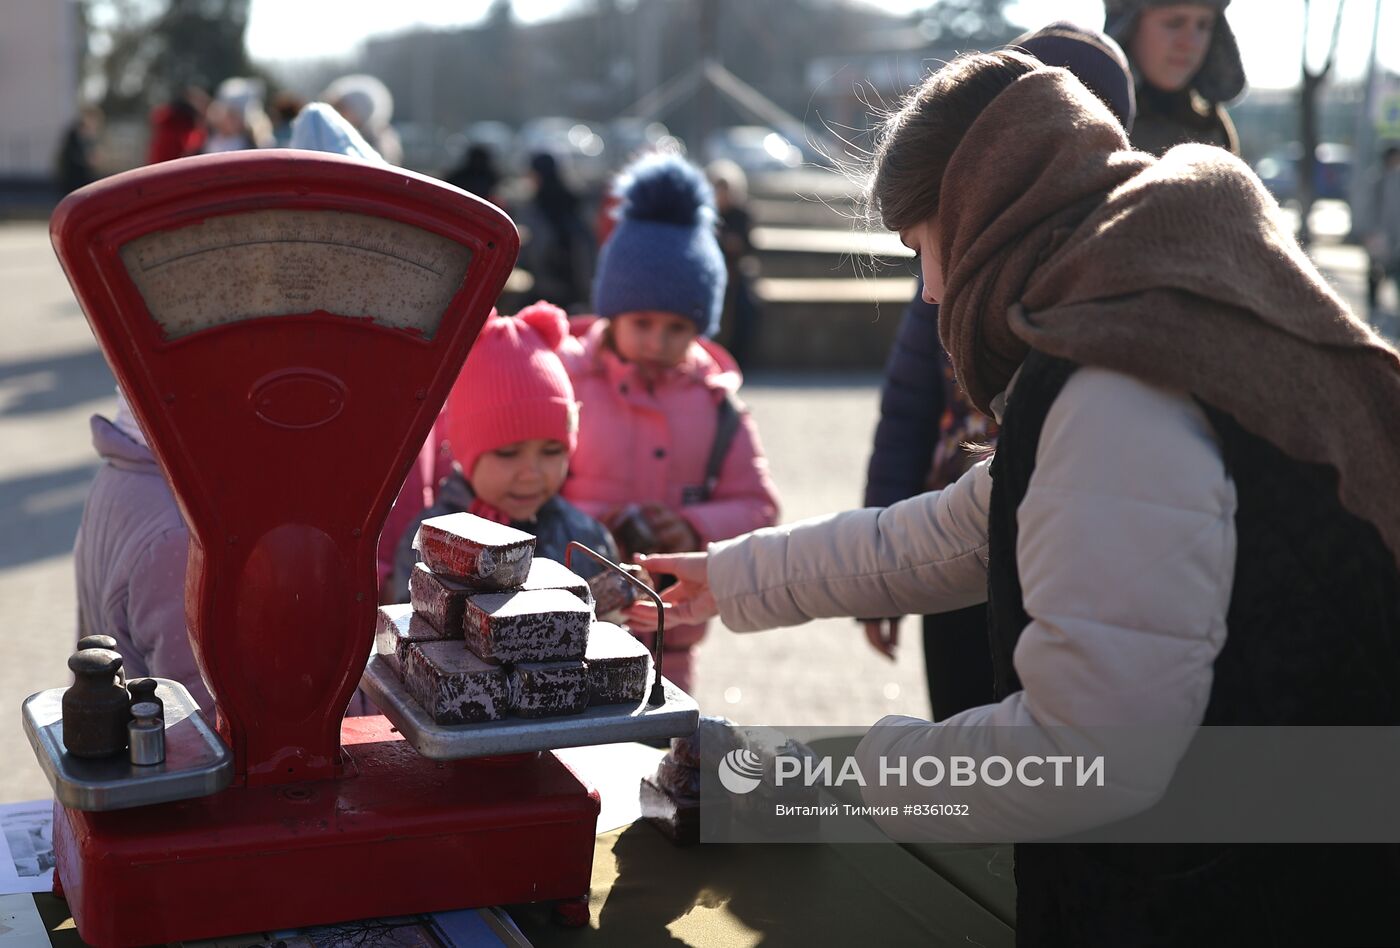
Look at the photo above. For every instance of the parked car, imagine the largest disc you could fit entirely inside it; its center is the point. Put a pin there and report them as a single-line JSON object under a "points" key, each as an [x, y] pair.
{"points": [[755, 148], [497, 136], [628, 136], [1332, 180]]}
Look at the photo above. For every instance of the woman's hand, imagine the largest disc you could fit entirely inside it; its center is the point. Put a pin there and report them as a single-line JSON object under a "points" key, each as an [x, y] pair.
{"points": [[688, 602], [883, 635]]}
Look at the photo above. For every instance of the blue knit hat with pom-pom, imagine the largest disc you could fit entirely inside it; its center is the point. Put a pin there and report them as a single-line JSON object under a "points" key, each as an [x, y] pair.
{"points": [[663, 254]]}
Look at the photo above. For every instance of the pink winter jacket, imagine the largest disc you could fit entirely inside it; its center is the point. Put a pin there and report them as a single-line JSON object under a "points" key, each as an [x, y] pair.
{"points": [[640, 446]]}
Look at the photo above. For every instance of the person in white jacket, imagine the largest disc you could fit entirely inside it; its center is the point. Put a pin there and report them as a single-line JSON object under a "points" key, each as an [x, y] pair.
{"points": [[1168, 535]]}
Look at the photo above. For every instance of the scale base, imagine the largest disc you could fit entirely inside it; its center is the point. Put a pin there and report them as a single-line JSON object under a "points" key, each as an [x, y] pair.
{"points": [[400, 835]]}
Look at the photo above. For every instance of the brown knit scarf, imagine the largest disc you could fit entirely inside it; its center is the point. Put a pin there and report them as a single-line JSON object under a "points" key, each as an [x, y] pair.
{"points": [[1054, 236]]}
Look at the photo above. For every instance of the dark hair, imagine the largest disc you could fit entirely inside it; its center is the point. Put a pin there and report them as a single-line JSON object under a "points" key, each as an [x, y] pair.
{"points": [[917, 141], [287, 106]]}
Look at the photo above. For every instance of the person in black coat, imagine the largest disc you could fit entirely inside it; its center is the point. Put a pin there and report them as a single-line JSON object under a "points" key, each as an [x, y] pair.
{"points": [[477, 173], [559, 250], [75, 164]]}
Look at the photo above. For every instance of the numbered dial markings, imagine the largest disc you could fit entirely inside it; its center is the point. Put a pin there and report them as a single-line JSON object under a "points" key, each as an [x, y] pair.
{"points": [[289, 262]]}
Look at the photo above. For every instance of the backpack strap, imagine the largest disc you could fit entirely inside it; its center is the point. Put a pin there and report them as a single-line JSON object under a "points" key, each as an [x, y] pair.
{"points": [[730, 412]]}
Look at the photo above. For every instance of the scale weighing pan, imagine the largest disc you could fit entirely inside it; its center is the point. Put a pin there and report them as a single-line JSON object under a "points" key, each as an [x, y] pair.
{"points": [[196, 762], [286, 326], [676, 716]]}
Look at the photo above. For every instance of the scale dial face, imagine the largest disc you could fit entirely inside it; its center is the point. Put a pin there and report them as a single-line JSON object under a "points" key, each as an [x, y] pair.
{"points": [[269, 263]]}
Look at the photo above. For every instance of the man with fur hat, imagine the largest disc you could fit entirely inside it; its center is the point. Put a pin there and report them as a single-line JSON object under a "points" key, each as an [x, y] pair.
{"points": [[1186, 65]]}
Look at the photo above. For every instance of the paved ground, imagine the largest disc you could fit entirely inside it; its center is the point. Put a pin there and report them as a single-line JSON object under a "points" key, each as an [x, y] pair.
{"points": [[51, 379], [816, 430]]}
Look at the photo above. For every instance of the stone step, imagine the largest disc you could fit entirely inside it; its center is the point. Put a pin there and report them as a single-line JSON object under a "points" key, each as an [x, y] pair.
{"points": [[826, 336], [805, 198], [792, 211], [826, 253], [829, 323], [837, 291]]}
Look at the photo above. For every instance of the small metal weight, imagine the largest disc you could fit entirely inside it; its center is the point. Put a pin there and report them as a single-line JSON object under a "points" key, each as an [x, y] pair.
{"points": [[96, 709], [144, 690], [101, 641], [147, 734]]}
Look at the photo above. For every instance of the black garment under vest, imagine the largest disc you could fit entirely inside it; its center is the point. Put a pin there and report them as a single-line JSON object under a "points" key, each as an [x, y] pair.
{"points": [[1313, 637]]}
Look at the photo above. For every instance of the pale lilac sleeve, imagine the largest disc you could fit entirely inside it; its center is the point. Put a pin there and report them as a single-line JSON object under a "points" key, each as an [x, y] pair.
{"points": [[156, 615]]}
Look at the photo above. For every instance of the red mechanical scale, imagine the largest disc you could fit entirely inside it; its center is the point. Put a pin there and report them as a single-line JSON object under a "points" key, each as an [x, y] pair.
{"points": [[286, 326]]}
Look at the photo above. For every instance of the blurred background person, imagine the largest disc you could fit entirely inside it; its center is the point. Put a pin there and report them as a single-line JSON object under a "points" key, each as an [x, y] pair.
{"points": [[559, 249], [740, 320], [76, 163], [477, 173], [368, 105], [285, 108], [236, 118], [318, 127], [177, 126], [1381, 229], [1186, 65]]}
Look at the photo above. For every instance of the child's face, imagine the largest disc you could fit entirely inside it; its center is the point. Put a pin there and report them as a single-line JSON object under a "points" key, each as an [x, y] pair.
{"points": [[922, 238], [654, 340], [518, 478]]}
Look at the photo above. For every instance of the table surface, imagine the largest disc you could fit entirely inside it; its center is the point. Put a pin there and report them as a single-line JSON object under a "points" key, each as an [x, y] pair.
{"points": [[646, 891]]}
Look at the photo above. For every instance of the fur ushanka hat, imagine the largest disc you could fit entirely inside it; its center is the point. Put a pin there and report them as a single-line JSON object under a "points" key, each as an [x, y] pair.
{"points": [[1221, 78]]}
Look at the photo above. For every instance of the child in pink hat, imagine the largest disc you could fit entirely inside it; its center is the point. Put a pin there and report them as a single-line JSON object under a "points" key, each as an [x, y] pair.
{"points": [[511, 424]]}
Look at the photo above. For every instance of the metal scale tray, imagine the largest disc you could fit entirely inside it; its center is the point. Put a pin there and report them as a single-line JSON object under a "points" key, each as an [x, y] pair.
{"points": [[677, 716], [197, 763]]}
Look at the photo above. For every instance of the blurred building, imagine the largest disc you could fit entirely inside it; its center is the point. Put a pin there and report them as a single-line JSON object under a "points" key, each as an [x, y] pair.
{"points": [[851, 89], [595, 63], [40, 60]]}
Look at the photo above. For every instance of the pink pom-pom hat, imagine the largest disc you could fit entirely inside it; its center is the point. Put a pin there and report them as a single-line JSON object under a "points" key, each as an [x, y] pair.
{"points": [[513, 387]]}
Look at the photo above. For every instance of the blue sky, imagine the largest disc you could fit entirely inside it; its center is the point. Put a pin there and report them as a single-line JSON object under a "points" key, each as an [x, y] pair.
{"points": [[1269, 31]]}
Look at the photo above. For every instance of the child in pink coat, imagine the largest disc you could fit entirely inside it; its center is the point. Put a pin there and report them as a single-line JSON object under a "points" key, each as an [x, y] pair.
{"points": [[667, 457]]}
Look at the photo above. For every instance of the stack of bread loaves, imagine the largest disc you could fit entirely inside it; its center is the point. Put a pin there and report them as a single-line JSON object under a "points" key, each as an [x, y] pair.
{"points": [[492, 630]]}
